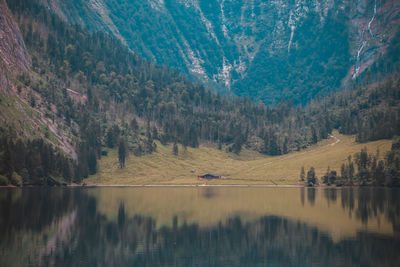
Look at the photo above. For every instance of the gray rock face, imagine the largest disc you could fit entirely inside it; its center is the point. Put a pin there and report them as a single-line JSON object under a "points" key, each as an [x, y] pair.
{"points": [[13, 54], [267, 50]]}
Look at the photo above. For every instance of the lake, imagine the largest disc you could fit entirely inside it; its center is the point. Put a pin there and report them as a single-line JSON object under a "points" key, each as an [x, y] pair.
{"points": [[199, 226]]}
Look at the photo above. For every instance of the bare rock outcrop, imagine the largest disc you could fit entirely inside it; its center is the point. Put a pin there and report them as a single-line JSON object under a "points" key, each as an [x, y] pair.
{"points": [[13, 53]]}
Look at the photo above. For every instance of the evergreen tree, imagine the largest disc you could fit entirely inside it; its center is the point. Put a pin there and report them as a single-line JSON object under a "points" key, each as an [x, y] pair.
{"points": [[350, 170], [134, 125], [121, 154], [32, 100], [175, 149], [330, 177], [314, 135], [379, 174], [302, 174], [392, 160], [7, 164], [92, 162], [311, 177], [325, 178], [363, 162], [237, 144], [344, 173]]}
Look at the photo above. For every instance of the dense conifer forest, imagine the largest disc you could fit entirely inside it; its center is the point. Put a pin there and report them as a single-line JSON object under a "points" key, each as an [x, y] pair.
{"points": [[127, 102]]}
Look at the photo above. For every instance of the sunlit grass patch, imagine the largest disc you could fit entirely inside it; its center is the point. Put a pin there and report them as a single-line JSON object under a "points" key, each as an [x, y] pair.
{"points": [[163, 167]]}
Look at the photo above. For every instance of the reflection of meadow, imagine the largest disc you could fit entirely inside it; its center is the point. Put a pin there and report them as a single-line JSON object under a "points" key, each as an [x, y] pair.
{"points": [[332, 210], [198, 227]]}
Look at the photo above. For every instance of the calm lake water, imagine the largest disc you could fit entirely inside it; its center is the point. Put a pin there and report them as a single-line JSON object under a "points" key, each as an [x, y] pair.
{"points": [[199, 226]]}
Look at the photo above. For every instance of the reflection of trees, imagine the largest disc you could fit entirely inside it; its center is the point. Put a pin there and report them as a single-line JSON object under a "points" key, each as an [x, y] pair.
{"points": [[137, 241], [348, 199], [371, 202], [35, 208], [33, 225], [311, 193], [330, 195], [271, 240]]}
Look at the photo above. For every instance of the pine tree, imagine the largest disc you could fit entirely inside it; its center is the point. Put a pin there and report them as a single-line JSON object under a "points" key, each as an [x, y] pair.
{"points": [[314, 135], [92, 162], [350, 170], [325, 178], [379, 174], [344, 173], [302, 174], [121, 154], [175, 149], [311, 177], [32, 100]]}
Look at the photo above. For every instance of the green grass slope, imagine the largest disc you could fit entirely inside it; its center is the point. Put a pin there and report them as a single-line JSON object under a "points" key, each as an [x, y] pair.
{"points": [[249, 168]]}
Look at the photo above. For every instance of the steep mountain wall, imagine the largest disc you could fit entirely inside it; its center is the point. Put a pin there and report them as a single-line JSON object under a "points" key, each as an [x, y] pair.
{"points": [[268, 50], [13, 53], [18, 111]]}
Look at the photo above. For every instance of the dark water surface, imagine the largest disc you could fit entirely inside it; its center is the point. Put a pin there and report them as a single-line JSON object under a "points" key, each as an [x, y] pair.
{"points": [[196, 226]]}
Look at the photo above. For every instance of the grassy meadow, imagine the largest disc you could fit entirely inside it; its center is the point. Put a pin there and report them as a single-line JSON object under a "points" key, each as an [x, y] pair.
{"points": [[248, 168]]}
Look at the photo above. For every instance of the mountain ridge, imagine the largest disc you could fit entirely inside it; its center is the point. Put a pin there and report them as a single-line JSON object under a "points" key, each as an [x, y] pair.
{"points": [[252, 48]]}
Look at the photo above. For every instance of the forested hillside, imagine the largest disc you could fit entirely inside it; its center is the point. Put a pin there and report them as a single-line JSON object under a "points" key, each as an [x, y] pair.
{"points": [[98, 94], [266, 50], [371, 112]]}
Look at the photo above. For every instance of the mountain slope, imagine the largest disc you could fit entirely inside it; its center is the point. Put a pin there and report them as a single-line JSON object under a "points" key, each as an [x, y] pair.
{"points": [[85, 92], [13, 54], [266, 50]]}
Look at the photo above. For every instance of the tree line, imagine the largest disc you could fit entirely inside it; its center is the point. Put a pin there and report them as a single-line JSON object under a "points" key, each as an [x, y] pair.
{"points": [[33, 162], [362, 169]]}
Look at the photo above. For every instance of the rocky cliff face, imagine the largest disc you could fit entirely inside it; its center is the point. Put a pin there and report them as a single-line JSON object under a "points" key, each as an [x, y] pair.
{"points": [[372, 25], [267, 50], [14, 61], [13, 54]]}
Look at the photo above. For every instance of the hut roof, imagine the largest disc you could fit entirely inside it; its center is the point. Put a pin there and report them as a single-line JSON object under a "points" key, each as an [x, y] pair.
{"points": [[210, 176]]}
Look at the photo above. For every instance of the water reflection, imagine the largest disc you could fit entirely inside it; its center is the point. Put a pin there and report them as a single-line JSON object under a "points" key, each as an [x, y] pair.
{"points": [[330, 195], [209, 192], [371, 202], [142, 227], [302, 195], [311, 193]]}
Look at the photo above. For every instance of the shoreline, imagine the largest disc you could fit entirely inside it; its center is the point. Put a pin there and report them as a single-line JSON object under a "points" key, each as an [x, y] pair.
{"points": [[183, 186], [154, 185], [188, 185]]}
